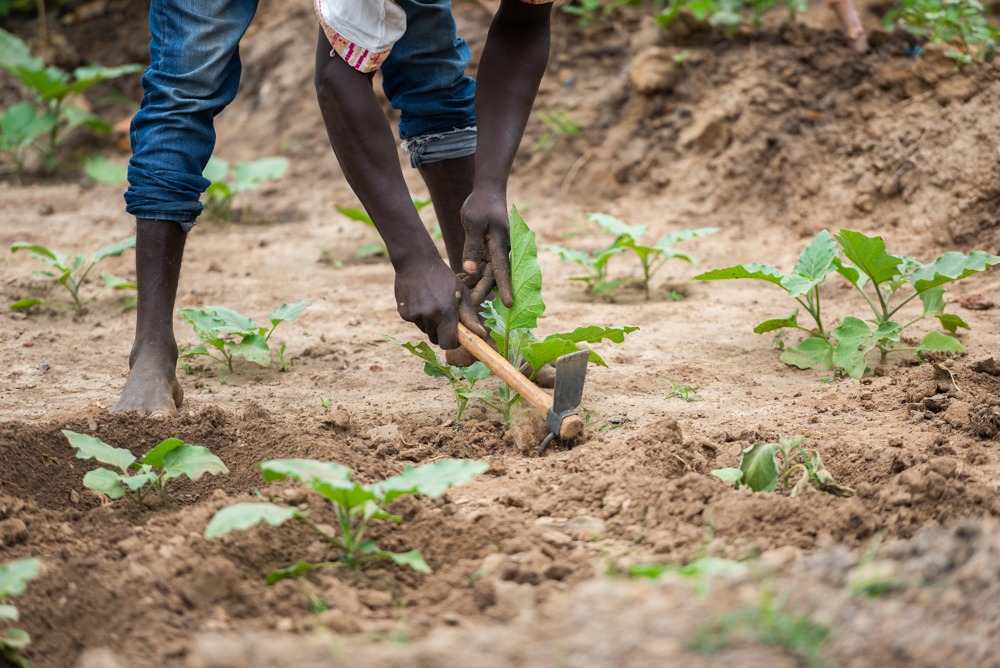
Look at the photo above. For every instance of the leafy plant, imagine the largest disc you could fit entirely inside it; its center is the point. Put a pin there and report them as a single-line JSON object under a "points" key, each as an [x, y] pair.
{"points": [[217, 325], [729, 14], [559, 124], [512, 330], [963, 23], [42, 123], [880, 278], [678, 391], [589, 11], [227, 183], [73, 271], [170, 459], [462, 379], [354, 504], [377, 248], [14, 578], [628, 238], [763, 466]]}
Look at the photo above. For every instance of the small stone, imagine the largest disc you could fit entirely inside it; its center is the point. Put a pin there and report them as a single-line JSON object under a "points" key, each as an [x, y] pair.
{"points": [[340, 418], [13, 532]]}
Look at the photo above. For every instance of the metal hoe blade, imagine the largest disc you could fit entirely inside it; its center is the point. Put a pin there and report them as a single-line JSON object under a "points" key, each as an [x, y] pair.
{"points": [[571, 372]]}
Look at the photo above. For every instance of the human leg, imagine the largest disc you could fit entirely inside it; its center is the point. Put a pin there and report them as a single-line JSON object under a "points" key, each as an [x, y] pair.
{"points": [[193, 74]]}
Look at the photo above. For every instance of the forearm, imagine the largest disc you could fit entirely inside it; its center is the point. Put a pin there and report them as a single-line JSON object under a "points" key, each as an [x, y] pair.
{"points": [[363, 143], [512, 65]]}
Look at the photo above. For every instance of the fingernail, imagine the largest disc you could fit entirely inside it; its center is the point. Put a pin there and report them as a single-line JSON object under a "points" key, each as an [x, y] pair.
{"points": [[469, 265]]}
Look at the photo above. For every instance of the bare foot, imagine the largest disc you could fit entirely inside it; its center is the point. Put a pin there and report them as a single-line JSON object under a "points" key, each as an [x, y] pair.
{"points": [[151, 389]]}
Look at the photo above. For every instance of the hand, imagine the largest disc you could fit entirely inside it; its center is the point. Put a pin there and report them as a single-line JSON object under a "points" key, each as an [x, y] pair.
{"points": [[487, 244], [432, 297]]}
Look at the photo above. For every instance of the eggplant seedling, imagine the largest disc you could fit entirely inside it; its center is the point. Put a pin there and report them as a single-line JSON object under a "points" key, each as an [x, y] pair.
{"points": [[355, 505], [764, 466], [377, 248], [226, 183], [14, 578]]}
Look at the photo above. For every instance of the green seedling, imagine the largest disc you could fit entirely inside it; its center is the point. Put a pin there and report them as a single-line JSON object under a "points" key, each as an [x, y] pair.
{"points": [[72, 271], [462, 379], [354, 504], [43, 122], [628, 238], [880, 278], [377, 248], [226, 183], [964, 23], [217, 327], [103, 171], [512, 331], [763, 466], [727, 14], [701, 571], [135, 478], [677, 391], [558, 124], [589, 12], [14, 578]]}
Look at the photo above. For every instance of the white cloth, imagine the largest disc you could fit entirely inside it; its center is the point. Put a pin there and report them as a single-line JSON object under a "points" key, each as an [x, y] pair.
{"points": [[374, 25]]}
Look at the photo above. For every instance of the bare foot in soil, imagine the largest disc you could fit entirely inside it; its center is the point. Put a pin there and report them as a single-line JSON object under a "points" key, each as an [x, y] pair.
{"points": [[151, 389]]}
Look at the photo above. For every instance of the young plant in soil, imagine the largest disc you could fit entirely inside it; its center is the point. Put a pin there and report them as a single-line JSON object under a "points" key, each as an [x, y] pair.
{"points": [[226, 183], [886, 282], [461, 379], [217, 325], [14, 578], [376, 248], [72, 272], [963, 23], [170, 459], [628, 239], [354, 504], [764, 466], [729, 14], [512, 329]]}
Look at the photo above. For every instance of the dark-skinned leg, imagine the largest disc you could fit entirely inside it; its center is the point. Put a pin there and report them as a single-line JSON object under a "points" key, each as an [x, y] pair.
{"points": [[152, 387]]}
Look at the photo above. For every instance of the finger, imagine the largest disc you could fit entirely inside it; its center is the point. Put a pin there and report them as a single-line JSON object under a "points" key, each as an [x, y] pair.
{"points": [[468, 317], [430, 331], [447, 330], [500, 261], [474, 251], [481, 289]]}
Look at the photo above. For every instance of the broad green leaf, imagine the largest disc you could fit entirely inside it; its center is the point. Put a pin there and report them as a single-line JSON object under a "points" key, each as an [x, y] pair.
{"points": [[684, 235], [526, 279], [816, 260], [194, 461], [595, 334], [48, 82], [617, 227], [288, 312], [297, 569], [39, 250], [730, 475], [25, 304], [868, 254], [762, 272], [216, 170], [113, 282], [304, 470], [248, 175], [937, 341], [430, 480], [205, 324], [571, 255], [233, 322], [760, 471], [8, 612], [540, 353], [75, 116], [253, 348], [476, 372], [242, 516], [933, 301], [952, 266], [413, 559], [854, 339], [813, 353], [138, 481], [155, 456], [433, 366], [14, 54], [88, 75], [778, 323], [347, 494], [21, 124], [105, 481], [887, 331], [15, 575], [951, 322], [355, 214], [89, 447], [102, 170], [114, 249], [16, 639]]}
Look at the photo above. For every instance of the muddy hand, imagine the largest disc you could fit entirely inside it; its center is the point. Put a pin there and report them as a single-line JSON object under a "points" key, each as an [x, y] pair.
{"points": [[487, 240], [432, 297]]}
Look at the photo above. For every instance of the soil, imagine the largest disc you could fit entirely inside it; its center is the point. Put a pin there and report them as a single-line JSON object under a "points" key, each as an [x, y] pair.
{"points": [[771, 137]]}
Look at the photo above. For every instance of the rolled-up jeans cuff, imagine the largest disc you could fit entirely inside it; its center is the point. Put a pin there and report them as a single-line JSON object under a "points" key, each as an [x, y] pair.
{"points": [[438, 146], [185, 222]]}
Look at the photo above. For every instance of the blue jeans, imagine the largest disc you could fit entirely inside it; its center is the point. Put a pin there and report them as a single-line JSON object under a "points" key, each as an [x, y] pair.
{"points": [[194, 73]]}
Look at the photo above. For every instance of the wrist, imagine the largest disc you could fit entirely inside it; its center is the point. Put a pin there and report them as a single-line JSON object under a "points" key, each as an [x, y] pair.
{"points": [[417, 253]]}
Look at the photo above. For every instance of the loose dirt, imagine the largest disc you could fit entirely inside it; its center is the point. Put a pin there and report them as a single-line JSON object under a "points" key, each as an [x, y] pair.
{"points": [[770, 137]]}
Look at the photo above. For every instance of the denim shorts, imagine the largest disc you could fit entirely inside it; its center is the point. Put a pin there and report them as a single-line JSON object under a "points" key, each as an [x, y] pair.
{"points": [[194, 73]]}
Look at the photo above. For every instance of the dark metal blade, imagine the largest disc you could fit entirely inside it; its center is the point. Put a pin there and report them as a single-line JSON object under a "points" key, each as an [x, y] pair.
{"points": [[571, 371]]}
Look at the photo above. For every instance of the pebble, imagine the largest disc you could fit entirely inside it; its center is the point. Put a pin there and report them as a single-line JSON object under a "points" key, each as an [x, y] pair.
{"points": [[13, 532]]}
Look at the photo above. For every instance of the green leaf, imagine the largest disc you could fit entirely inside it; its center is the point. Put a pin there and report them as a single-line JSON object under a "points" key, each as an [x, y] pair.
{"points": [[288, 312], [595, 334], [155, 456], [937, 341], [760, 471], [304, 470], [297, 569], [205, 324], [253, 348], [430, 480], [103, 171], [48, 82], [475, 372], [355, 214], [868, 254], [951, 322], [952, 266], [684, 235], [617, 227], [15, 575], [75, 117], [526, 278], [25, 304], [216, 171], [115, 249], [854, 339], [16, 639], [193, 461], [540, 353], [138, 481], [232, 321], [14, 54], [762, 272], [242, 516], [105, 481], [88, 75], [8, 612], [39, 250], [887, 331], [850, 272], [730, 475], [813, 353], [89, 447], [248, 175], [21, 124], [112, 282], [778, 323], [413, 559], [816, 260]]}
